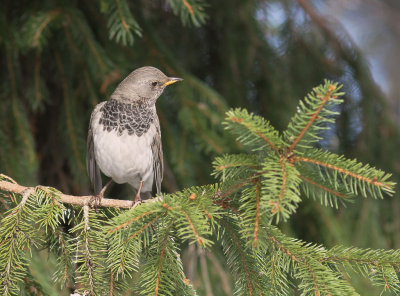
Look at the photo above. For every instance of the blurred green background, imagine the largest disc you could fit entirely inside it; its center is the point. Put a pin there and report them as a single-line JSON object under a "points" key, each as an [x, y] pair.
{"points": [[60, 58]]}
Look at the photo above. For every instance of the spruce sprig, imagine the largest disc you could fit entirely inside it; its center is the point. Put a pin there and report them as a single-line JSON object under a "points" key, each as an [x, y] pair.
{"points": [[121, 23], [252, 131], [190, 11], [39, 27], [90, 245], [162, 272], [289, 163], [240, 258], [17, 238], [313, 116]]}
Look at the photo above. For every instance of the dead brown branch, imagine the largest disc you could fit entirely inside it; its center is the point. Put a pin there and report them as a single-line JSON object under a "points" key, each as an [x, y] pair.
{"points": [[66, 198]]}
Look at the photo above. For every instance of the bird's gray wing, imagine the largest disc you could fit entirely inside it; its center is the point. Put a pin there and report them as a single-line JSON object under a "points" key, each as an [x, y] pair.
{"points": [[158, 162], [91, 164]]}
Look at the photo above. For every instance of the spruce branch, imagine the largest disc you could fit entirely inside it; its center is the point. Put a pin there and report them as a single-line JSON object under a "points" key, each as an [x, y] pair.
{"points": [[38, 26], [250, 215], [236, 166], [382, 267], [17, 236], [257, 218], [252, 130], [280, 187], [312, 116], [192, 222], [316, 278], [355, 177], [60, 244], [241, 259], [90, 245], [325, 190], [190, 11], [121, 23], [163, 272]]}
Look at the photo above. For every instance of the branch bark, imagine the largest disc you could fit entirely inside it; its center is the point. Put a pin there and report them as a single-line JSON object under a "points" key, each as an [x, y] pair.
{"points": [[68, 199]]}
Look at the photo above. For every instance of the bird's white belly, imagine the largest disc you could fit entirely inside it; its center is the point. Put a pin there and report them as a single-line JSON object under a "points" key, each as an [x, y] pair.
{"points": [[126, 158]]}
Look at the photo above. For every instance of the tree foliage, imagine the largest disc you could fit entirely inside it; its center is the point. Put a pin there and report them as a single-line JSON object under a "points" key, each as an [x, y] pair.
{"points": [[61, 58], [256, 189]]}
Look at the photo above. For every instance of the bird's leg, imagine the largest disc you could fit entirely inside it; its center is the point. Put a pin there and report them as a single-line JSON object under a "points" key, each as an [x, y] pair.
{"points": [[97, 198], [137, 198]]}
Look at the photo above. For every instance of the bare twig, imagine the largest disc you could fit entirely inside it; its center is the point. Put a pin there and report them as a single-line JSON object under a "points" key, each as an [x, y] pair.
{"points": [[68, 199]]}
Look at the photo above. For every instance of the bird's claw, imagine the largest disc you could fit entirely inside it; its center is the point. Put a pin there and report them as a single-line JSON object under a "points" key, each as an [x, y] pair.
{"points": [[95, 201]]}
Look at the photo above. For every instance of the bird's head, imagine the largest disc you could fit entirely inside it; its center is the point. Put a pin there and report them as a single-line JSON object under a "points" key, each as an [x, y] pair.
{"points": [[146, 83]]}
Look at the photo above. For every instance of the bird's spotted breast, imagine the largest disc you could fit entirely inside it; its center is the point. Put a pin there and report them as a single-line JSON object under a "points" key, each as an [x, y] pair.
{"points": [[135, 118]]}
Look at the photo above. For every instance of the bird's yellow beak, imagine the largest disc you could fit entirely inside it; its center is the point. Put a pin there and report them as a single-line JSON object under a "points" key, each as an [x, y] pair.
{"points": [[171, 80]]}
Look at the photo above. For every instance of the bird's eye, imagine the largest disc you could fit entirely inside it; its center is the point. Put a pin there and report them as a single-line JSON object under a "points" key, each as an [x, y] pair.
{"points": [[154, 83]]}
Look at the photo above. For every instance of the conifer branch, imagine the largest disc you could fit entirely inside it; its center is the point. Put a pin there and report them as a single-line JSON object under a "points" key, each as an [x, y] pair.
{"points": [[123, 225], [324, 101], [161, 258], [241, 121], [51, 15], [63, 262], [334, 192], [253, 124], [189, 11], [295, 258], [257, 218], [373, 181], [243, 261], [17, 235], [121, 23], [277, 204], [198, 237], [189, 7], [121, 16], [87, 251], [90, 244], [315, 275], [144, 227], [193, 198]]}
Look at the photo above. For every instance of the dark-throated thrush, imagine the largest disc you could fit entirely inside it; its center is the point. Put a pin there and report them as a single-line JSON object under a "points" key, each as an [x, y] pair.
{"points": [[124, 138]]}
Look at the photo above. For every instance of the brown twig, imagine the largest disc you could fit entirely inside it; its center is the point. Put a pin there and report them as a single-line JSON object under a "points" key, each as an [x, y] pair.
{"points": [[70, 199]]}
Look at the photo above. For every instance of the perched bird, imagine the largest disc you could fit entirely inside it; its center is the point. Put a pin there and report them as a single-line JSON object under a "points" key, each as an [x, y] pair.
{"points": [[124, 138]]}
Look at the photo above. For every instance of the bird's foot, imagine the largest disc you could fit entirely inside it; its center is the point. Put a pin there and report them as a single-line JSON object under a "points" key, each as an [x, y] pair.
{"points": [[137, 197], [95, 200]]}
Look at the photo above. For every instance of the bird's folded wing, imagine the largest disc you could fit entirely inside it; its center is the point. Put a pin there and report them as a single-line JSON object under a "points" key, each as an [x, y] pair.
{"points": [[158, 162], [91, 164]]}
